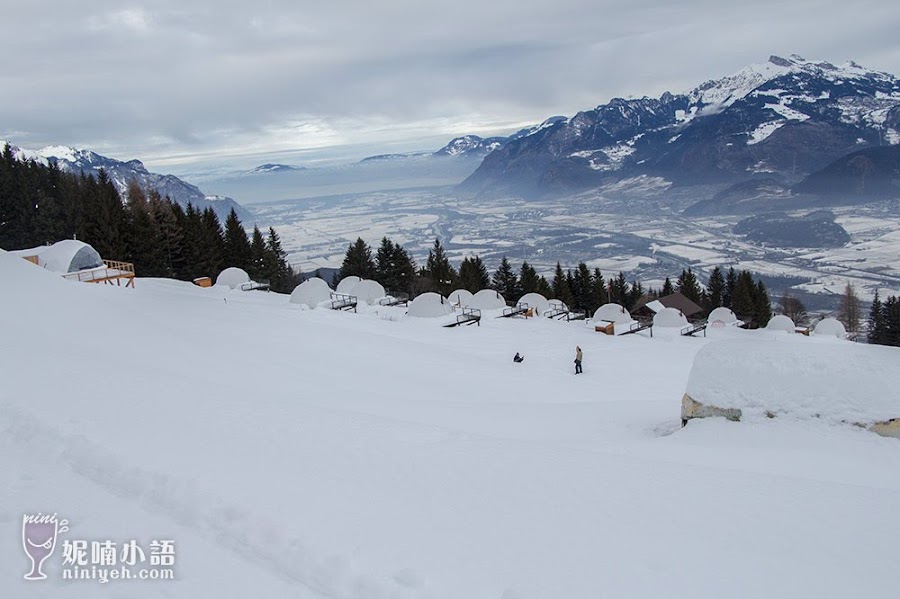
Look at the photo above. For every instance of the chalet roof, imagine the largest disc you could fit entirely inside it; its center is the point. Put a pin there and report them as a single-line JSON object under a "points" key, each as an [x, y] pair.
{"points": [[676, 300], [680, 302]]}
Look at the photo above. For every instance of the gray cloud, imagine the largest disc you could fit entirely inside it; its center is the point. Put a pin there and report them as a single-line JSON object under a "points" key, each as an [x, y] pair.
{"points": [[179, 83]]}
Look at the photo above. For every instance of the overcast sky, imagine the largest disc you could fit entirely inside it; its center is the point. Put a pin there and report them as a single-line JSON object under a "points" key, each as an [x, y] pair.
{"points": [[188, 84]]}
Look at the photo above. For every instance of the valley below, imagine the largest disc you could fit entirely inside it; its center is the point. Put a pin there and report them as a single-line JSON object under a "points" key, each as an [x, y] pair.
{"points": [[641, 233]]}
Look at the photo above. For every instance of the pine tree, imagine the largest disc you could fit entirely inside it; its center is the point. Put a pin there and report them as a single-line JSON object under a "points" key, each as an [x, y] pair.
{"points": [[618, 290], [169, 235], [742, 299], [283, 278], [237, 246], [598, 286], [715, 296], [730, 283], [635, 294], [667, 288], [528, 279], [473, 275], [358, 261], [560, 285], [688, 286], [761, 304], [876, 333], [891, 317], [439, 275], [544, 287], [583, 289], [261, 269], [505, 282], [212, 246]]}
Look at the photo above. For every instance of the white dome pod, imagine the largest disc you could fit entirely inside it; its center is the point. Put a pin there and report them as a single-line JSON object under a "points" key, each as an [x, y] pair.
{"points": [[346, 284], [830, 327], [613, 313], [461, 298], [669, 318], [368, 291], [536, 301], [311, 292], [68, 256], [429, 305], [723, 315], [488, 299], [232, 277], [780, 322]]}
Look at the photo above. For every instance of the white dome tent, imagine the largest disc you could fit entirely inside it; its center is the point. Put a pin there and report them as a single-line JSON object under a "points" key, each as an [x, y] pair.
{"points": [[614, 313], [669, 318], [780, 322], [232, 277], [346, 284], [461, 298], [614, 319], [311, 292], [830, 327], [722, 317], [488, 299], [68, 256], [537, 302], [367, 291], [429, 305]]}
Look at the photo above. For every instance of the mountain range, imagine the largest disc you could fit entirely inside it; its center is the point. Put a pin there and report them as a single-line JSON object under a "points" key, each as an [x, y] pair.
{"points": [[121, 173], [757, 134]]}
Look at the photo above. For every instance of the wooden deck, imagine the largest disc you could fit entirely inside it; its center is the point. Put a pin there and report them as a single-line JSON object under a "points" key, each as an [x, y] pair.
{"points": [[112, 270], [469, 316], [342, 301]]}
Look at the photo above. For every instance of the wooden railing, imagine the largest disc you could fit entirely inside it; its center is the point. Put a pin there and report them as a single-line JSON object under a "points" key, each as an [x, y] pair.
{"points": [[111, 270]]}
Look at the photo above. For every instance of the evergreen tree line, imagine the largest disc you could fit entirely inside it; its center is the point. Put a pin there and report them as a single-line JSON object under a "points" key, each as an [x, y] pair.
{"points": [[884, 321], [40, 204], [580, 288]]}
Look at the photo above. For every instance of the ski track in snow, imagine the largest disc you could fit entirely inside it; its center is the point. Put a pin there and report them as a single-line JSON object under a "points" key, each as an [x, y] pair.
{"points": [[231, 527]]}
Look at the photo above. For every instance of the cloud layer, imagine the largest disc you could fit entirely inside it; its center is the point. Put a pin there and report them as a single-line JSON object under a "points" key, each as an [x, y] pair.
{"points": [[180, 84]]}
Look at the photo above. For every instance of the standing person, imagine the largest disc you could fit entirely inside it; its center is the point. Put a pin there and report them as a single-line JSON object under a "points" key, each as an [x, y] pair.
{"points": [[577, 359]]}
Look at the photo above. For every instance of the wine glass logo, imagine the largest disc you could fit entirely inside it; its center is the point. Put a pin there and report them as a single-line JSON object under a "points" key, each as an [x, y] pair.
{"points": [[39, 534]]}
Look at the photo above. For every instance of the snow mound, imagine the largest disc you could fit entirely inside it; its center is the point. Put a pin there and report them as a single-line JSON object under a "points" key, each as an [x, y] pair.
{"points": [[613, 313], [780, 322], [429, 305], [461, 298], [233, 277], [830, 327], [722, 315], [839, 382], [311, 292], [536, 301], [346, 284], [669, 318], [488, 299], [368, 291]]}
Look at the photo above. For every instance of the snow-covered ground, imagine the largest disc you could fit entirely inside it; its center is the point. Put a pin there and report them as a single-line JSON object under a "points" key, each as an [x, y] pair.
{"points": [[310, 453]]}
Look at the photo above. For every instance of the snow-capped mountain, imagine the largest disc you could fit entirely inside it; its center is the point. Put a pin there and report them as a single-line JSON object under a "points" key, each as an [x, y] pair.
{"points": [[121, 173], [469, 146], [783, 119], [274, 168]]}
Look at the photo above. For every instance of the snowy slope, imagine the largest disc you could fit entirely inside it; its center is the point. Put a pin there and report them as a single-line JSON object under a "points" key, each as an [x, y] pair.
{"points": [[298, 453]]}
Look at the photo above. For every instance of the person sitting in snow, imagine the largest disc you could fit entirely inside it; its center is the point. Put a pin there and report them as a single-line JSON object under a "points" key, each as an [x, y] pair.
{"points": [[517, 358]]}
